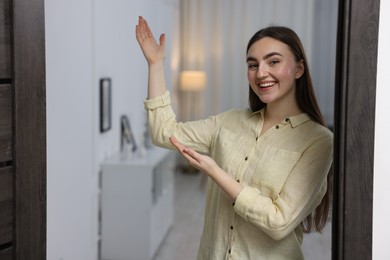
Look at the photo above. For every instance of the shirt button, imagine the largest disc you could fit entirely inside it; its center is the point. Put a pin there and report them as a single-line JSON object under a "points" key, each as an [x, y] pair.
{"points": [[257, 138], [233, 204], [287, 119], [246, 158], [231, 227], [277, 126], [238, 180], [230, 251]]}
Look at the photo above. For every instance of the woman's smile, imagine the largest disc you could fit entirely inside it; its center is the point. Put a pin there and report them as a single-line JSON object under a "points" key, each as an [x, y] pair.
{"points": [[265, 86]]}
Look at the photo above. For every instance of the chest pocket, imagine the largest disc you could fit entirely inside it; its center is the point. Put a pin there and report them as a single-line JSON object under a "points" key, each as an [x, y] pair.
{"points": [[273, 169]]}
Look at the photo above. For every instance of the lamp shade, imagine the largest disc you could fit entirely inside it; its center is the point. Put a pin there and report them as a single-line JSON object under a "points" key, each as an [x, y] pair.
{"points": [[191, 80]]}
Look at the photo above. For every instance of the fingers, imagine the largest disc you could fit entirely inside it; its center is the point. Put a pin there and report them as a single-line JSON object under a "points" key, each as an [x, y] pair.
{"points": [[138, 34], [148, 32], [162, 39], [177, 144], [181, 148], [186, 152], [138, 29], [142, 29]]}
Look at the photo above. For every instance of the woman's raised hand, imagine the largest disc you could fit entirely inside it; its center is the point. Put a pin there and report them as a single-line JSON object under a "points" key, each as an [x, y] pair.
{"points": [[153, 51]]}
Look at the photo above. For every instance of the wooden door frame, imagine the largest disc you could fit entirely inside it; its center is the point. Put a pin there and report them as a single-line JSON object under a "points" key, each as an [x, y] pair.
{"points": [[354, 131], [29, 128]]}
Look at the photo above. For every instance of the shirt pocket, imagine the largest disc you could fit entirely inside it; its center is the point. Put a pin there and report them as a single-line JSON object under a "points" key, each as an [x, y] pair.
{"points": [[273, 169]]}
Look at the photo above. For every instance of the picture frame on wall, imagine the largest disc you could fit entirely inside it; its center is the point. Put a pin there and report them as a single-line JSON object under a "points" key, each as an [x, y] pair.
{"points": [[105, 104]]}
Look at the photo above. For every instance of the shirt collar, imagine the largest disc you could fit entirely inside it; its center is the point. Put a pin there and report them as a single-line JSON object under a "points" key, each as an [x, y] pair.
{"points": [[299, 119], [293, 120]]}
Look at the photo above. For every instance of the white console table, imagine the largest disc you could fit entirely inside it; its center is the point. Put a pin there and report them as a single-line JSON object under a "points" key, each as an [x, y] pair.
{"points": [[136, 204]]}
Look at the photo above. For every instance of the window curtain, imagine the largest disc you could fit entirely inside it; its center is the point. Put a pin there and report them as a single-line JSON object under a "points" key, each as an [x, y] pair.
{"points": [[214, 35]]}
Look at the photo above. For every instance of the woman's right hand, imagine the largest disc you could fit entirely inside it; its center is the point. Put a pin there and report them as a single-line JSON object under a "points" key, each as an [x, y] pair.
{"points": [[153, 51]]}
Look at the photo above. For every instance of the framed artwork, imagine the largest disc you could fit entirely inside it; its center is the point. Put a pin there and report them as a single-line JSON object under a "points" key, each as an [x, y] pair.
{"points": [[105, 104], [127, 134]]}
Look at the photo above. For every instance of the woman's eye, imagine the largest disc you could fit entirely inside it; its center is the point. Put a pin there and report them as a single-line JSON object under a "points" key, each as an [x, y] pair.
{"points": [[252, 66], [274, 62]]}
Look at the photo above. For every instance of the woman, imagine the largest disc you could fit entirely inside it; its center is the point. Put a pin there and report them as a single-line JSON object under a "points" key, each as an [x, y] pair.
{"points": [[269, 164]]}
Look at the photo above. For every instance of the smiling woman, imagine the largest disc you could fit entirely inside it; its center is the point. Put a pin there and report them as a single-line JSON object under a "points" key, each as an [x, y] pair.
{"points": [[279, 177]]}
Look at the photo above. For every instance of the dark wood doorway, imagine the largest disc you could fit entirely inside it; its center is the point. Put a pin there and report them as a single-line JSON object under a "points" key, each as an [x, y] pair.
{"points": [[22, 130], [354, 128]]}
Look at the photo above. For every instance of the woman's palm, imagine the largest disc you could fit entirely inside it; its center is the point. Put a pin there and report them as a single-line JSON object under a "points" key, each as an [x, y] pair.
{"points": [[152, 50]]}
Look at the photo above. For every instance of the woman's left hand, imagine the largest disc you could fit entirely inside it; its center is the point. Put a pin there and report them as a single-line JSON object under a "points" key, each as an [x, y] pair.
{"points": [[207, 165], [199, 161]]}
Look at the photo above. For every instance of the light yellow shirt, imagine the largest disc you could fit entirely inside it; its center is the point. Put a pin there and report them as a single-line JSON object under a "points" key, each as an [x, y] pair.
{"points": [[283, 172]]}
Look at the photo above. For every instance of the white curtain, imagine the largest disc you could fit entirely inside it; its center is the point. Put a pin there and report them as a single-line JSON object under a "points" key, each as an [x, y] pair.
{"points": [[214, 35]]}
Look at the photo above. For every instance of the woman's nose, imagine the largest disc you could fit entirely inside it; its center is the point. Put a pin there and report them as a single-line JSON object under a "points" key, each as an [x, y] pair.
{"points": [[262, 71]]}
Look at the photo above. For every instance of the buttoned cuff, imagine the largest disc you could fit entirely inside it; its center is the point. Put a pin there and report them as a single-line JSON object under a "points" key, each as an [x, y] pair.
{"points": [[244, 201], [156, 102]]}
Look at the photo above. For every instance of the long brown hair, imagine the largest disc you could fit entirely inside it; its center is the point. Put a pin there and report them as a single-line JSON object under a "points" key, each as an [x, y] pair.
{"points": [[307, 102]]}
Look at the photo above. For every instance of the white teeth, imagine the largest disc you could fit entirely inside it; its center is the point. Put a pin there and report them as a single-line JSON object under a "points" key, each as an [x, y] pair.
{"points": [[264, 85]]}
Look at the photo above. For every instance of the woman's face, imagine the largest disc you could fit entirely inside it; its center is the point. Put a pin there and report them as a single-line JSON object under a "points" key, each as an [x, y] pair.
{"points": [[272, 71]]}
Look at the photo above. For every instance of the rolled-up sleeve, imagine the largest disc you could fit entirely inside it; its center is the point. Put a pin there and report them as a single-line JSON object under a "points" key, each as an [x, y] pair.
{"points": [[160, 101], [197, 135]]}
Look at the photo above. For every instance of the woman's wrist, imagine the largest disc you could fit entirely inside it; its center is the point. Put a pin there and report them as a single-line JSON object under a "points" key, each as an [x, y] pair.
{"points": [[214, 171], [158, 65], [156, 80]]}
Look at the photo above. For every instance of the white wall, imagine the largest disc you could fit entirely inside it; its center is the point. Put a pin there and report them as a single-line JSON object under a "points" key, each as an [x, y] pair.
{"points": [[87, 40], [322, 59], [381, 225]]}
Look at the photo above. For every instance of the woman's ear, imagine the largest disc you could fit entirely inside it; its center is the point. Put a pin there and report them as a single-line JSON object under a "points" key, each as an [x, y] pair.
{"points": [[300, 69]]}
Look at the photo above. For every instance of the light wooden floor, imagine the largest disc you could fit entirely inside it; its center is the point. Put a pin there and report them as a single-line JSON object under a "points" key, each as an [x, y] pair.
{"points": [[182, 240]]}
